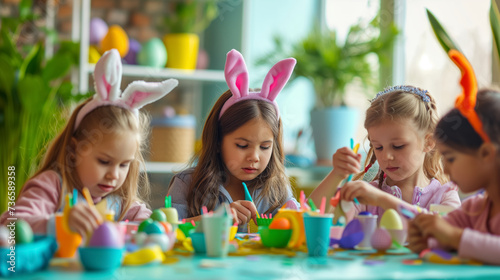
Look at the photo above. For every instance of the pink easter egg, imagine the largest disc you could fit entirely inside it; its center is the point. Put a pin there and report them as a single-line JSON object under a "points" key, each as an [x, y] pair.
{"points": [[203, 60], [98, 29], [106, 235], [381, 239]]}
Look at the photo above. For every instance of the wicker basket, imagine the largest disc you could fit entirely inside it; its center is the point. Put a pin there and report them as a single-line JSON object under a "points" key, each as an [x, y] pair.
{"points": [[172, 139]]}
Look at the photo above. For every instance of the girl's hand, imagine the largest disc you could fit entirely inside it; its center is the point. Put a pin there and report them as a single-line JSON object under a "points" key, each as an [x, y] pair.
{"points": [[346, 162], [245, 210], [364, 192], [83, 219], [434, 226], [417, 241]]}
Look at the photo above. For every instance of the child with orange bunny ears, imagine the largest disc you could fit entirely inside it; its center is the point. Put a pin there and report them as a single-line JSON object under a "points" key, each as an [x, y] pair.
{"points": [[241, 143], [468, 137], [100, 149]]}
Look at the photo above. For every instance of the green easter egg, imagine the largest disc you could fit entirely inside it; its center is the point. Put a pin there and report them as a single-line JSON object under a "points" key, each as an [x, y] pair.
{"points": [[153, 54], [158, 215], [154, 227], [24, 233], [144, 224]]}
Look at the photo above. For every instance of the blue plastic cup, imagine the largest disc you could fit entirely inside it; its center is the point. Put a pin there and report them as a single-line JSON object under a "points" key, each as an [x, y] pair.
{"points": [[317, 229]]}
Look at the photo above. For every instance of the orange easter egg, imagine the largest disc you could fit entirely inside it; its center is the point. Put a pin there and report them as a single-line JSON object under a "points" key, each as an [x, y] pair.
{"points": [[280, 223], [167, 226], [116, 38]]}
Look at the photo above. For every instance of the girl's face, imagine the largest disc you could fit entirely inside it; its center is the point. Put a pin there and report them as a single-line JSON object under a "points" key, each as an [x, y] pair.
{"points": [[247, 150], [103, 166], [399, 148], [467, 170]]}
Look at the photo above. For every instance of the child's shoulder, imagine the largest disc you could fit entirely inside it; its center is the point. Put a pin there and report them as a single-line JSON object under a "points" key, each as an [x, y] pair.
{"points": [[46, 177], [185, 175]]}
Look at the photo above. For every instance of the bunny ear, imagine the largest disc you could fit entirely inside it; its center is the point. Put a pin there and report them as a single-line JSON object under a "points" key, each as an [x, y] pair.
{"points": [[140, 93], [236, 74], [277, 77], [108, 75]]}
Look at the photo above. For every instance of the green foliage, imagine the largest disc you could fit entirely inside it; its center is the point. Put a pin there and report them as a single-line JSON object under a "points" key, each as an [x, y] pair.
{"points": [[495, 24], [33, 96], [332, 65], [190, 16], [441, 34]]}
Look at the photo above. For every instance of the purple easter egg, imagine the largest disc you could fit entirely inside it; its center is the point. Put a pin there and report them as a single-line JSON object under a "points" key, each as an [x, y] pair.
{"points": [[106, 235], [98, 29], [134, 48]]}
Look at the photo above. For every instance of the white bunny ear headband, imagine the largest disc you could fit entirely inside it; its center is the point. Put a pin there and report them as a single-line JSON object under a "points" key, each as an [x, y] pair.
{"points": [[107, 79], [236, 74]]}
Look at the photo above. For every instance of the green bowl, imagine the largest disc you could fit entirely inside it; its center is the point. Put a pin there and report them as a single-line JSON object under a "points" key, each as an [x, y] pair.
{"points": [[264, 222], [277, 238], [187, 228]]}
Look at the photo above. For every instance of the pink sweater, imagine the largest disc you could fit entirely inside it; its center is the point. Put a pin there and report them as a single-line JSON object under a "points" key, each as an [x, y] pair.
{"points": [[38, 202], [481, 237]]}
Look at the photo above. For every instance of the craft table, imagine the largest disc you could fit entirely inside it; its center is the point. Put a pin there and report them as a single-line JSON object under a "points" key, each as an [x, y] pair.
{"points": [[338, 265]]}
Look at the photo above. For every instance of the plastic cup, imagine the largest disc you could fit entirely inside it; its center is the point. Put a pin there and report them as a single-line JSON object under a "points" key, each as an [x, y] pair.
{"points": [[216, 229], [369, 224], [68, 241], [317, 230]]}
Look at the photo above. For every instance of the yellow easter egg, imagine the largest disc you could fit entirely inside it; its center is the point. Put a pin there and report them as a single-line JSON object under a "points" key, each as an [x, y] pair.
{"points": [[391, 220], [94, 54], [116, 38]]}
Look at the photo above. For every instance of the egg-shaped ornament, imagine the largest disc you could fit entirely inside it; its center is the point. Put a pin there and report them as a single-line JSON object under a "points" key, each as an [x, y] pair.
{"points": [[116, 38], [23, 231], [98, 29], [153, 54], [381, 239], [391, 220], [106, 235], [133, 51], [94, 54]]}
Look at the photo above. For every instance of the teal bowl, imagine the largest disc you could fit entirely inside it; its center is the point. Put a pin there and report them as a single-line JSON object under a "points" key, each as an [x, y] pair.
{"points": [[274, 238], [101, 258], [198, 241]]}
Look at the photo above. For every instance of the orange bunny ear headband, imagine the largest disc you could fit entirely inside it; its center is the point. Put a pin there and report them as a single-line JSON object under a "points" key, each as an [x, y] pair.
{"points": [[466, 101]]}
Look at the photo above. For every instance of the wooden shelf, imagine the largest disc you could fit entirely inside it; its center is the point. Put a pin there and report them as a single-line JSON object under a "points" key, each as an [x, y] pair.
{"points": [[181, 74]]}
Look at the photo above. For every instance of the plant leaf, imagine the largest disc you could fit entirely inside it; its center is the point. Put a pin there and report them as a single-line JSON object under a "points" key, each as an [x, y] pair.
{"points": [[56, 67], [33, 93], [495, 24], [441, 34]]}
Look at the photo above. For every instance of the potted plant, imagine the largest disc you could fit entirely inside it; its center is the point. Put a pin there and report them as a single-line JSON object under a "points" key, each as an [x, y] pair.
{"points": [[33, 95], [184, 21], [331, 66]]}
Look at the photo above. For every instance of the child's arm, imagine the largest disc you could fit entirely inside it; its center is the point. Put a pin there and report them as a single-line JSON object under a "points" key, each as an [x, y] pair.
{"points": [[370, 195], [37, 203], [137, 212], [345, 162]]}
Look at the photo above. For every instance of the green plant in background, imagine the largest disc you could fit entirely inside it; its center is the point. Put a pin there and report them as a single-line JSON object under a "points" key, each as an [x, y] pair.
{"points": [[332, 65], [33, 98], [190, 16], [495, 24]]}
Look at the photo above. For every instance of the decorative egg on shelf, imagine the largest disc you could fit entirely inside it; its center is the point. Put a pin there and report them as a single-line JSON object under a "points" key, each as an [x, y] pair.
{"points": [[133, 51], [98, 29], [94, 54], [116, 38], [153, 54]]}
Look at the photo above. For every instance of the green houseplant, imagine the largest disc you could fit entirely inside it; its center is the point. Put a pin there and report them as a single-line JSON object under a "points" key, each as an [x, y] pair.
{"points": [[184, 21], [332, 65], [33, 95]]}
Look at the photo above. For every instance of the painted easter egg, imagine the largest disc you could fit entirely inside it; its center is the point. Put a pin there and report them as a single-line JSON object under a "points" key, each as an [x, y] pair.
{"points": [[144, 224], [98, 29], [94, 54], [133, 50], [116, 38], [381, 239], [167, 226], [154, 227], [106, 235], [203, 60], [140, 238], [24, 233], [158, 216], [280, 223], [153, 54], [158, 239], [391, 220]]}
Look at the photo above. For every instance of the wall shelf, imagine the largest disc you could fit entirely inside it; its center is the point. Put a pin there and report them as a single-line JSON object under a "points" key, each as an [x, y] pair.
{"points": [[165, 167]]}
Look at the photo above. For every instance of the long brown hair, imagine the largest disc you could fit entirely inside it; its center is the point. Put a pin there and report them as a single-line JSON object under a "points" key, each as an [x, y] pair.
{"points": [[402, 105], [210, 171], [61, 153]]}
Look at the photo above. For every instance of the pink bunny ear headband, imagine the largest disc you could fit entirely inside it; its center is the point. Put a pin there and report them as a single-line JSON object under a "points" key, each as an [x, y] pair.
{"points": [[108, 77], [236, 74]]}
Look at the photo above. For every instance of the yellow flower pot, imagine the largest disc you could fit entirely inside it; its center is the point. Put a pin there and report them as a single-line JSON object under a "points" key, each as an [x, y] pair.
{"points": [[182, 50]]}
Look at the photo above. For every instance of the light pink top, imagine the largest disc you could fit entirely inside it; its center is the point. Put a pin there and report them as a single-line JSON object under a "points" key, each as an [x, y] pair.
{"points": [[38, 202], [434, 193], [481, 237]]}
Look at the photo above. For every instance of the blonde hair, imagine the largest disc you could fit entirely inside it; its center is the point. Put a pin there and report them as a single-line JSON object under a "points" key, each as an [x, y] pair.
{"points": [[61, 153], [210, 171], [403, 105]]}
